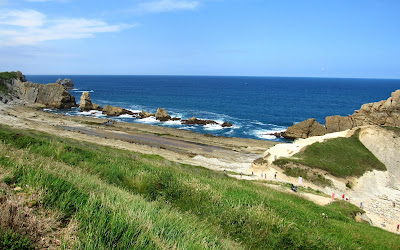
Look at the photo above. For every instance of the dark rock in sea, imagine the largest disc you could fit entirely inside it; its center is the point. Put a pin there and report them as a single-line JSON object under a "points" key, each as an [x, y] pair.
{"points": [[226, 124], [277, 134], [195, 121], [175, 119], [162, 115], [66, 83]]}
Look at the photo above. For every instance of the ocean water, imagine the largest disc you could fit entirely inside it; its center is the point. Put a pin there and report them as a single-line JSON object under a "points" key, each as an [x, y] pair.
{"points": [[256, 106]]}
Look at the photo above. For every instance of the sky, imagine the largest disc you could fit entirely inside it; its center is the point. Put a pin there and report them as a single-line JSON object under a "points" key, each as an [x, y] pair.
{"points": [[341, 38]]}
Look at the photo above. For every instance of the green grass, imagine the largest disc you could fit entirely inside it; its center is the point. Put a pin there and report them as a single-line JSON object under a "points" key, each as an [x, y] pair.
{"points": [[14, 241], [308, 175], [128, 200], [340, 157], [8, 75]]}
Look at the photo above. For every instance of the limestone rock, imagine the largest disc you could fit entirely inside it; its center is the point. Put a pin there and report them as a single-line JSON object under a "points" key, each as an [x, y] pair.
{"points": [[145, 114], [385, 112], [49, 95], [338, 123], [86, 102], [305, 129], [113, 111], [96, 106], [162, 115], [66, 83]]}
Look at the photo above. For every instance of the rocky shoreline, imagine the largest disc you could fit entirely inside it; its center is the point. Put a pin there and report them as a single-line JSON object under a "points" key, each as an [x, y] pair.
{"points": [[162, 115], [383, 113]]}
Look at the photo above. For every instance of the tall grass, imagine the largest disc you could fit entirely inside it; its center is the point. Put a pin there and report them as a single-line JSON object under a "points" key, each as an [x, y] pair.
{"points": [[128, 200], [340, 157]]}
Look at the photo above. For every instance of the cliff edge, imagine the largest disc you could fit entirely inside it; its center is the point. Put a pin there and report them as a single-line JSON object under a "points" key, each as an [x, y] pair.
{"points": [[14, 89]]}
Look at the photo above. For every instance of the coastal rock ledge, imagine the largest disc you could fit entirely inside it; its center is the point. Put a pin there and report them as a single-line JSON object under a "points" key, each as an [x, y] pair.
{"points": [[384, 113]]}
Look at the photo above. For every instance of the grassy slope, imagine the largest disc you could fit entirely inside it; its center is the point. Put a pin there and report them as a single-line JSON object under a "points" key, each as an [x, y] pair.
{"points": [[127, 200], [340, 157]]}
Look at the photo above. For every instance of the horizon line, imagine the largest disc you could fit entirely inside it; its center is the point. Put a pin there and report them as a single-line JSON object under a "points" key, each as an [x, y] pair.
{"points": [[264, 76]]}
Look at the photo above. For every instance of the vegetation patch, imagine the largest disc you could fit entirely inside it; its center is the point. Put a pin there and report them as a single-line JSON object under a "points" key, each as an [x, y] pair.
{"points": [[9, 75], [307, 174], [12, 240], [340, 157]]}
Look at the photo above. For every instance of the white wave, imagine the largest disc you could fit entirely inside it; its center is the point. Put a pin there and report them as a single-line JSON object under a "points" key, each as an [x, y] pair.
{"points": [[209, 127], [125, 116], [81, 91], [266, 133], [94, 113], [148, 120], [47, 110], [135, 110], [172, 123], [74, 89]]}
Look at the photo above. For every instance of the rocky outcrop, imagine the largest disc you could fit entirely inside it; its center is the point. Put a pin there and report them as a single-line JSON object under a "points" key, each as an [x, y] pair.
{"points": [[385, 112], [162, 115], [305, 129], [338, 123], [195, 121], [113, 111], [50, 95], [145, 114], [85, 103], [66, 83], [226, 125]]}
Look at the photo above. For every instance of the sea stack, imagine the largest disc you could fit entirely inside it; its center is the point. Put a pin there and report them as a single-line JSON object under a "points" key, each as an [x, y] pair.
{"points": [[162, 115]]}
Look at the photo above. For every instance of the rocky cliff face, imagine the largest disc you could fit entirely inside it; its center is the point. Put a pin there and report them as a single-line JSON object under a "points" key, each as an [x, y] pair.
{"points": [[50, 95], [385, 112]]}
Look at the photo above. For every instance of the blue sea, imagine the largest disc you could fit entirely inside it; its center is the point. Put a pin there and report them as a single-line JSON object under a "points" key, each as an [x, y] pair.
{"points": [[256, 106]]}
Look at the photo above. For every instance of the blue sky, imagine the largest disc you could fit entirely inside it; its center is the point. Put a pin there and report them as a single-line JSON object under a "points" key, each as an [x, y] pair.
{"points": [[202, 37]]}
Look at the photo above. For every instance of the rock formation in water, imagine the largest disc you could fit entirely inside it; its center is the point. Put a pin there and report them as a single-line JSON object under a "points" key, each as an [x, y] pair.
{"points": [[86, 103], [194, 120], [162, 115], [18, 90], [66, 83], [385, 113], [145, 114]]}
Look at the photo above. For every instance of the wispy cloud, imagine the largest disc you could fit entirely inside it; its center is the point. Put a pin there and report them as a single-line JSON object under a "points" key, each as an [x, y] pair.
{"points": [[28, 27], [159, 6]]}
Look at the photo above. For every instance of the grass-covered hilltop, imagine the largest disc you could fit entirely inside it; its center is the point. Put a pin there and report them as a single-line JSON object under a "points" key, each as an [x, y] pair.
{"points": [[65, 193]]}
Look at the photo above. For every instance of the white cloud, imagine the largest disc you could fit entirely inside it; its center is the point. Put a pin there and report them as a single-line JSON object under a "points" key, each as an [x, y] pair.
{"points": [[165, 6], [25, 18], [28, 27]]}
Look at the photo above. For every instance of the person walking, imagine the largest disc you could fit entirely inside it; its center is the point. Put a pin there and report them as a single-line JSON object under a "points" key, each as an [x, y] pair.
{"points": [[275, 175], [333, 196]]}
